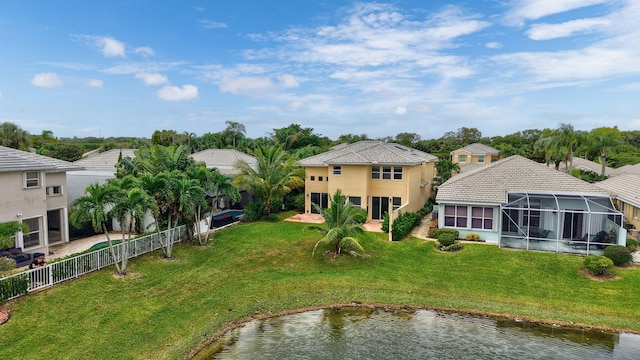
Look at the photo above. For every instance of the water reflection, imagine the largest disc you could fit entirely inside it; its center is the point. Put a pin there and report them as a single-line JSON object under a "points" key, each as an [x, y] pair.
{"points": [[364, 333]]}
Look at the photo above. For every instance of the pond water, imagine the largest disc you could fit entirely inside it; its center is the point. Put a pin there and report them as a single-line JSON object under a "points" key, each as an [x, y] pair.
{"points": [[364, 333]]}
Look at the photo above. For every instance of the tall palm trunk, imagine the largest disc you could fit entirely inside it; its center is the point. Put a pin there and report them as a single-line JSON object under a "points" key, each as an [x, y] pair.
{"points": [[111, 248]]}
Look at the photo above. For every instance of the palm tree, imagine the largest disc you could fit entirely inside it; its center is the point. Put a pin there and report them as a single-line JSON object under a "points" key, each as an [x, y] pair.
{"points": [[11, 135], [130, 209], [94, 207], [601, 140], [276, 174], [234, 128], [188, 196], [344, 221], [569, 140], [158, 158], [445, 169]]}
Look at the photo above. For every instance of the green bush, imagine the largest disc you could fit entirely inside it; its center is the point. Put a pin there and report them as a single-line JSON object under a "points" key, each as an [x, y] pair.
{"points": [[434, 232], [453, 247], [446, 239], [254, 211], [296, 202], [6, 264], [276, 205], [632, 244], [403, 225], [13, 286], [620, 255], [385, 223], [598, 265], [426, 209]]}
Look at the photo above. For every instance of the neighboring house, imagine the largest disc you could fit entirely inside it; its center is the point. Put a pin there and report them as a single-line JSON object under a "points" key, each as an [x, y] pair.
{"points": [[518, 203], [374, 175], [629, 169], [473, 156], [225, 161], [626, 188], [98, 168], [33, 190], [588, 165]]}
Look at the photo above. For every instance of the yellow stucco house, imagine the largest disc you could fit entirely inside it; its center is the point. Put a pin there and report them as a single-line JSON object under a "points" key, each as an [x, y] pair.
{"points": [[626, 190], [374, 175], [473, 156]]}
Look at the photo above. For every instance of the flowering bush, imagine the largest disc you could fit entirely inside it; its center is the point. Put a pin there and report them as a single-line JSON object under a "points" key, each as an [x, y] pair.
{"points": [[620, 255]]}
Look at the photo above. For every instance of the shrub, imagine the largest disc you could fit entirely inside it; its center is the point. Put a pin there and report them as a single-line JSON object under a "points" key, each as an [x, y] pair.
{"points": [[598, 265], [620, 255], [254, 211], [472, 237], [6, 264], [296, 202], [446, 239], [453, 247], [385, 223], [403, 225], [276, 205], [632, 244], [434, 232], [13, 286]]}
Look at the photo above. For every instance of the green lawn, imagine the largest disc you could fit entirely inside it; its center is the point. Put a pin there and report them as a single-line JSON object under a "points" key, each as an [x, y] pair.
{"points": [[165, 307]]}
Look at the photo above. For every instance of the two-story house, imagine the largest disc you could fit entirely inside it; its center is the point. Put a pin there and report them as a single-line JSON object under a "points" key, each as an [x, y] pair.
{"points": [[33, 190], [626, 188], [374, 175], [472, 156]]}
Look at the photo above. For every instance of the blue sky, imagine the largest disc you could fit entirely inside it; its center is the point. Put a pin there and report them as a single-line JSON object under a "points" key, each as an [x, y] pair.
{"points": [[127, 68]]}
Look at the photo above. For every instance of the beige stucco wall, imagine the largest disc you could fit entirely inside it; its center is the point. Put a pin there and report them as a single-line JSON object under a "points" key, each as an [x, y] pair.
{"points": [[629, 212], [355, 180], [473, 159]]}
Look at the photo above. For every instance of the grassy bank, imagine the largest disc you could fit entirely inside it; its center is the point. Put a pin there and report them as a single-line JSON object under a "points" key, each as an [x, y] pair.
{"points": [[164, 308]]}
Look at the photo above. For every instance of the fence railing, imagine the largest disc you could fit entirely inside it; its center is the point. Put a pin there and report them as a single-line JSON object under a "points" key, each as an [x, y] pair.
{"points": [[16, 285]]}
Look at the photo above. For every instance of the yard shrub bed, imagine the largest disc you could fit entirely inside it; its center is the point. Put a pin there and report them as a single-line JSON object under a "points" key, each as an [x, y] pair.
{"points": [[620, 255], [435, 232], [598, 265]]}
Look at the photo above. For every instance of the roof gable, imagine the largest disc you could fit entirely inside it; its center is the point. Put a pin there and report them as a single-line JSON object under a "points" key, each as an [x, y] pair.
{"points": [[18, 160], [491, 183], [625, 187], [223, 159], [105, 160], [369, 152], [477, 149]]}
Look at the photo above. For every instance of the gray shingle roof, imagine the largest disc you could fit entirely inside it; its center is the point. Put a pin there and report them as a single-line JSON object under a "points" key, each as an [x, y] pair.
{"points": [[477, 149], [18, 160], [105, 160], [490, 184], [223, 159], [625, 187], [369, 152]]}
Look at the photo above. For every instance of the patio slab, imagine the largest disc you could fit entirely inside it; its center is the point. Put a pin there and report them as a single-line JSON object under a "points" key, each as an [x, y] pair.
{"points": [[78, 245]]}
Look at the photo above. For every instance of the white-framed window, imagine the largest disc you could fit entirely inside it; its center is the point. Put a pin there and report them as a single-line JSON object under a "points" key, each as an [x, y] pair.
{"points": [[32, 237], [455, 216], [32, 179], [462, 159], [375, 172], [386, 172], [397, 173], [312, 178], [337, 170], [54, 190], [480, 159], [319, 178], [355, 200], [396, 202], [482, 218]]}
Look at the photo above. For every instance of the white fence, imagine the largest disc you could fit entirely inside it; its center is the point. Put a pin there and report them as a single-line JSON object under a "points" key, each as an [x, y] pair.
{"points": [[35, 279]]}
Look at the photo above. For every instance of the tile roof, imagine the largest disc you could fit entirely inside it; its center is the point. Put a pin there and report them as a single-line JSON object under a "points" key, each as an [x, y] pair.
{"points": [[625, 187], [588, 165], [105, 160], [629, 169], [369, 152], [490, 184], [223, 159], [477, 149], [18, 160]]}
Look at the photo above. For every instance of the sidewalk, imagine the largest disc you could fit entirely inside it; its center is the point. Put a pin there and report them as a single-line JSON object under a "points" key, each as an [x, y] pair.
{"points": [[79, 245]]}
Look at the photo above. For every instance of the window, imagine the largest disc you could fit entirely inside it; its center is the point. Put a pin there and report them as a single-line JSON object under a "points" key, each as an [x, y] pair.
{"points": [[32, 237], [386, 172], [396, 202], [319, 178], [636, 212], [32, 179], [397, 172], [312, 178], [54, 190], [337, 170], [480, 159], [481, 218], [375, 172], [462, 159], [455, 216], [355, 200]]}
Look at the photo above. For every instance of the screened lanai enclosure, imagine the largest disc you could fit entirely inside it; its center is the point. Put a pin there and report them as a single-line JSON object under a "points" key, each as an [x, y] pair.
{"points": [[564, 223]]}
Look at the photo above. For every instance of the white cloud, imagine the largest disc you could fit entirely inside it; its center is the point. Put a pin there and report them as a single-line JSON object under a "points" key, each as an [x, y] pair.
{"points": [[493, 45], [400, 110], [46, 80], [94, 83], [110, 46], [554, 31], [145, 51], [209, 24], [152, 78], [174, 93], [535, 9], [254, 85]]}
